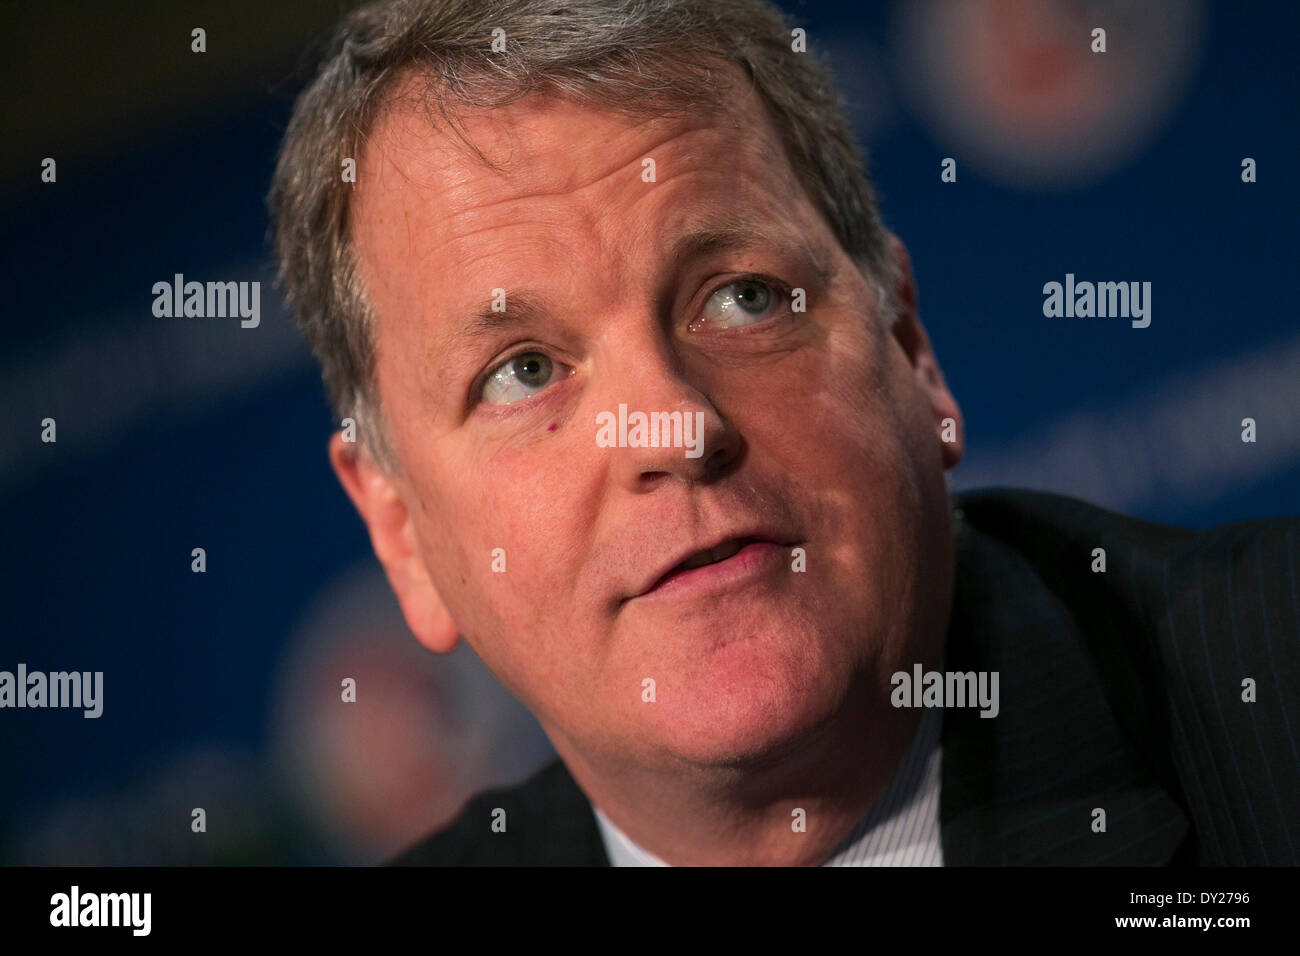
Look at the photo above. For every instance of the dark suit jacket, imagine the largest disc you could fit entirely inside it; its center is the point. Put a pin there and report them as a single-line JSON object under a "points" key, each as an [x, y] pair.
{"points": [[1120, 690]]}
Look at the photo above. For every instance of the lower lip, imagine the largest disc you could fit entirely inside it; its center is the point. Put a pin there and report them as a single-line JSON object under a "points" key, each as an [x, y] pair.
{"points": [[749, 563]]}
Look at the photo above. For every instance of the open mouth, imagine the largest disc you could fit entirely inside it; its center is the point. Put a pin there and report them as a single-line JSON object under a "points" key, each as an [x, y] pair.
{"points": [[712, 555], [709, 556]]}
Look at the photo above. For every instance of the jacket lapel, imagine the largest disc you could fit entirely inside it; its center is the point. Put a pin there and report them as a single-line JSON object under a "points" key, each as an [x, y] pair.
{"points": [[1025, 787]]}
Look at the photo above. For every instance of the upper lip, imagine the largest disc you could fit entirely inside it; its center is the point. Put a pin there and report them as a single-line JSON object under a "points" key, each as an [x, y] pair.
{"points": [[750, 535]]}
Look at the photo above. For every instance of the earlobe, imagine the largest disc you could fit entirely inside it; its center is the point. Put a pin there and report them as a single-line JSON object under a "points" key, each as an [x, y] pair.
{"points": [[952, 438], [378, 499], [438, 631]]}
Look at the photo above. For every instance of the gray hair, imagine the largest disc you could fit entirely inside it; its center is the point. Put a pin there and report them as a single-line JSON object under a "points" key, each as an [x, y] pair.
{"points": [[642, 57]]}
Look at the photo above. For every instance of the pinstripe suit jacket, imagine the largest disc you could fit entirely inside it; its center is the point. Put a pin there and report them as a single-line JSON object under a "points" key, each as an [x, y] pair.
{"points": [[1127, 690]]}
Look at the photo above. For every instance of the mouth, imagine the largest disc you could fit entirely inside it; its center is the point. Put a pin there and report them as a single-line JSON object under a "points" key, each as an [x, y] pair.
{"points": [[729, 561]]}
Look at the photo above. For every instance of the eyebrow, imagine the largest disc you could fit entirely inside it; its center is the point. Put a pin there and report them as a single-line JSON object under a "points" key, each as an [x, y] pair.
{"points": [[742, 231], [733, 232], [521, 309]]}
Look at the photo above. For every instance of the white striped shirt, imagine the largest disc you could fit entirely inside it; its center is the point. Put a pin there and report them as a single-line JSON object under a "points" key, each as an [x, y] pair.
{"points": [[900, 829]]}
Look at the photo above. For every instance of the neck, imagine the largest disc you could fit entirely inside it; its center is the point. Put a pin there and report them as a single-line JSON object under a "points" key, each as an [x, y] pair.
{"points": [[746, 815]]}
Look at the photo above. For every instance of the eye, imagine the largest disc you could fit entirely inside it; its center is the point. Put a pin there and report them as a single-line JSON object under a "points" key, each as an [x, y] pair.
{"points": [[519, 377], [740, 302]]}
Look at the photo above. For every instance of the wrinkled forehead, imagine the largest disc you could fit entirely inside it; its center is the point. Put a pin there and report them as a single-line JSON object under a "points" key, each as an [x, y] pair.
{"points": [[552, 145]]}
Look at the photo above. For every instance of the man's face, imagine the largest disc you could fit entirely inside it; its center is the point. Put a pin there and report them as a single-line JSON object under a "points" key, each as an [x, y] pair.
{"points": [[821, 428]]}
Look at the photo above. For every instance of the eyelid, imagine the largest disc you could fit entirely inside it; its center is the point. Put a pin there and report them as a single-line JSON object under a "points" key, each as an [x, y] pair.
{"points": [[784, 291], [773, 281], [508, 358], [525, 348]]}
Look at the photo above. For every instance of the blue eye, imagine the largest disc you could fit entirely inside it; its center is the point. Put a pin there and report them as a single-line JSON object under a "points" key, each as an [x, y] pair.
{"points": [[519, 377], [738, 303]]}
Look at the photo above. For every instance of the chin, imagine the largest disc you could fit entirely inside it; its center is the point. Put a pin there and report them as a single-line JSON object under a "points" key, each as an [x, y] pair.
{"points": [[751, 702]]}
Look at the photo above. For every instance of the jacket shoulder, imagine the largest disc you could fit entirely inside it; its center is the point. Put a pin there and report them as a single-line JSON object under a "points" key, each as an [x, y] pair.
{"points": [[1144, 569], [547, 822], [1017, 513], [1193, 635], [1046, 523]]}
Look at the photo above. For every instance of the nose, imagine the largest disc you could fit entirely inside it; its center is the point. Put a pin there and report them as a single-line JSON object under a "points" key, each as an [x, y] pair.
{"points": [[659, 423]]}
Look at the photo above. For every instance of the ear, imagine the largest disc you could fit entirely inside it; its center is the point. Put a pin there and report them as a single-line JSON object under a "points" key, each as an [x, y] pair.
{"points": [[911, 337], [378, 499]]}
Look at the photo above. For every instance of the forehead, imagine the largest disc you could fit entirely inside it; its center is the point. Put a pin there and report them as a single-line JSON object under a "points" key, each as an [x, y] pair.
{"points": [[554, 156]]}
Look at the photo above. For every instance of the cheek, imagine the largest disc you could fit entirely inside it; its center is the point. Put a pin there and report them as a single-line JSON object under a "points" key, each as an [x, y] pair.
{"points": [[839, 422], [505, 546], [831, 415], [539, 503]]}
